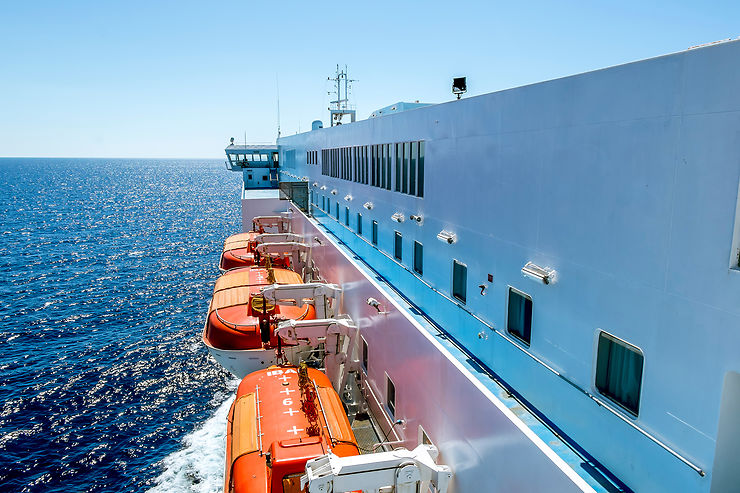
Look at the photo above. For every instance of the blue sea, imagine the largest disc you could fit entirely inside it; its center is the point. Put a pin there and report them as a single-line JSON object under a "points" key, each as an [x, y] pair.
{"points": [[107, 268]]}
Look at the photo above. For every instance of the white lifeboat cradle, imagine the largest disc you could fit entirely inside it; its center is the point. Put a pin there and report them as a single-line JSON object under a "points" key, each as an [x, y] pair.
{"points": [[399, 470]]}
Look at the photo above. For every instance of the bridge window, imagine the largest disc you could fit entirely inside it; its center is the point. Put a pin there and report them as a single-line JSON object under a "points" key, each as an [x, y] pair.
{"points": [[619, 371], [374, 233], [359, 223], [459, 280], [336, 211], [519, 319], [346, 216]]}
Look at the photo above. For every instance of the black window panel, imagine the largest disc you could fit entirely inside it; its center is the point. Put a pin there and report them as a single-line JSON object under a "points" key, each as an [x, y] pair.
{"points": [[359, 223], [383, 158], [336, 210], [459, 280], [390, 397], [418, 258], [374, 233], [619, 372], [519, 319], [399, 154], [412, 167], [346, 216], [388, 166], [398, 246], [405, 169], [364, 354], [420, 172]]}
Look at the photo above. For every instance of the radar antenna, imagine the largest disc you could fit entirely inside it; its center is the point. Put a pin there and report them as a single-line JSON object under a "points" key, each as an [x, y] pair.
{"points": [[340, 106]]}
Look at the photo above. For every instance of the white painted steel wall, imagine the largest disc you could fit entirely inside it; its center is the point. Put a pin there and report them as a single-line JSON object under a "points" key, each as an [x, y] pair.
{"points": [[625, 180]]}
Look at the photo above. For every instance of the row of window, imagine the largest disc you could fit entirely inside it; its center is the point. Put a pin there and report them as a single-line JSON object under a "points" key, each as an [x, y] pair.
{"points": [[373, 165], [312, 157], [619, 364], [618, 373]]}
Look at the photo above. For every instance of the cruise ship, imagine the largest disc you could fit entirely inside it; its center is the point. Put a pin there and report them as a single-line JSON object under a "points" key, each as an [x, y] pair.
{"points": [[543, 280]]}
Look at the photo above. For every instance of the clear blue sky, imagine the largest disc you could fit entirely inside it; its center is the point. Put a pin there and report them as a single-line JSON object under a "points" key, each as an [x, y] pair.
{"points": [[177, 78]]}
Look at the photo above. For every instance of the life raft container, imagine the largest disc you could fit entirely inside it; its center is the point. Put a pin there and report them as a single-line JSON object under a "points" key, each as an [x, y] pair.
{"points": [[282, 417], [240, 318]]}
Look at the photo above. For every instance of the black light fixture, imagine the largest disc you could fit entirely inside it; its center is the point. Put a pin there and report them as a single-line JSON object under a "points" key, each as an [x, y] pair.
{"points": [[459, 86]]}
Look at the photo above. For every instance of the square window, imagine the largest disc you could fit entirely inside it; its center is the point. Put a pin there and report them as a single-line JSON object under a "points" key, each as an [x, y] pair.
{"points": [[459, 280], [364, 354], [519, 319], [359, 223], [390, 396], [418, 258], [398, 246], [619, 372], [374, 233]]}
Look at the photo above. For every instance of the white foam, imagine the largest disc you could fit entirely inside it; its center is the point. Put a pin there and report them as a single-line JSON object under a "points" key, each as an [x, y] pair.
{"points": [[198, 467]]}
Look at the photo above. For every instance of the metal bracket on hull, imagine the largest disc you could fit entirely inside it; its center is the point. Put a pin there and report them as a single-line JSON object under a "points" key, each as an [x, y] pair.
{"points": [[283, 222], [277, 238], [339, 359], [295, 294], [406, 471], [300, 253]]}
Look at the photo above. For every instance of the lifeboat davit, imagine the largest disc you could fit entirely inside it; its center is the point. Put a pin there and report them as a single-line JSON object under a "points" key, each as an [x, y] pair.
{"points": [[239, 328], [282, 417]]}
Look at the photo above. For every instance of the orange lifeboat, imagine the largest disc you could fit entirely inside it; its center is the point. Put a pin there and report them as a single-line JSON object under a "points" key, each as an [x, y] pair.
{"points": [[282, 417], [238, 251], [240, 318]]}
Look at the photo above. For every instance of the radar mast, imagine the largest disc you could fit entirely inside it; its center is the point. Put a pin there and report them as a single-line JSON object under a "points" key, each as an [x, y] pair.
{"points": [[340, 106]]}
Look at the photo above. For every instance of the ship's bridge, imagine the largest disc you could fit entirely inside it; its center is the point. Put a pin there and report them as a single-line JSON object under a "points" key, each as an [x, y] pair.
{"points": [[258, 163]]}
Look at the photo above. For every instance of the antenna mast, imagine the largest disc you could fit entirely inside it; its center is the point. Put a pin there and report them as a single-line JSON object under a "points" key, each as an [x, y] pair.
{"points": [[341, 107], [277, 86]]}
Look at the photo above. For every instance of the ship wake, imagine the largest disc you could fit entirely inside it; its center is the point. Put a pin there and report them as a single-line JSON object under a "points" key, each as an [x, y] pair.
{"points": [[198, 466]]}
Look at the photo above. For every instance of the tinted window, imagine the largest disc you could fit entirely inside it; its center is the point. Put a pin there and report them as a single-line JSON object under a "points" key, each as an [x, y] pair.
{"points": [[398, 246], [519, 320], [418, 258], [364, 354], [390, 398], [374, 233], [619, 372], [459, 280]]}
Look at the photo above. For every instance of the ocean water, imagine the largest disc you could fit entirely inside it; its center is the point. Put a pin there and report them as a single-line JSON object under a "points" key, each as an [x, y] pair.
{"points": [[106, 271]]}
